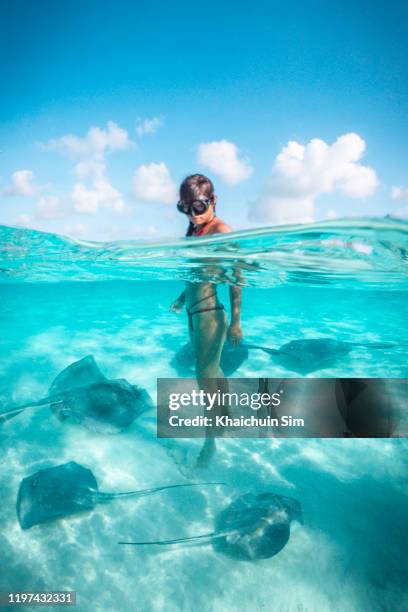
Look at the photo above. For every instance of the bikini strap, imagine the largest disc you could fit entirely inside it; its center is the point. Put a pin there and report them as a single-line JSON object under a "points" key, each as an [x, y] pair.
{"points": [[220, 307], [201, 300]]}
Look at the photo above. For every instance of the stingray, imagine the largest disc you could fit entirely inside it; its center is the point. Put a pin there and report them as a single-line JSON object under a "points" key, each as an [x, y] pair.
{"points": [[67, 489], [232, 357], [305, 356], [254, 526], [82, 394]]}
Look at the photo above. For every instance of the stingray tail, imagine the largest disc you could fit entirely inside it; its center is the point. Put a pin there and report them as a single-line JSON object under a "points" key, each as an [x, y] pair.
{"points": [[102, 497], [378, 345], [266, 349], [10, 413], [205, 536]]}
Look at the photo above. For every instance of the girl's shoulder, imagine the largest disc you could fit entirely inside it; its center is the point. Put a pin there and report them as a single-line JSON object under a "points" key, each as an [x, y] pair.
{"points": [[220, 227]]}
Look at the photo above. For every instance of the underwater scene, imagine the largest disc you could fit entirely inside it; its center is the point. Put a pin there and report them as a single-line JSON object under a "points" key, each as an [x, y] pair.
{"points": [[75, 489]]}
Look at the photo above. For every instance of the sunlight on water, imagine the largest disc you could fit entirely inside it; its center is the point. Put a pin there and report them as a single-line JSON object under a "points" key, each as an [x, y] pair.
{"points": [[63, 300]]}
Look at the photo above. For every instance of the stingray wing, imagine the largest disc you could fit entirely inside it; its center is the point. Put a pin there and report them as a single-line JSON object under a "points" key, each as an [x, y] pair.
{"points": [[232, 357], [256, 526], [81, 373], [78, 374], [309, 355], [143, 400], [54, 493], [183, 360]]}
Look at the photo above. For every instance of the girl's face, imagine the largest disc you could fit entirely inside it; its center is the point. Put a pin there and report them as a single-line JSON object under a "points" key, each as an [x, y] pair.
{"points": [[205, 217]]}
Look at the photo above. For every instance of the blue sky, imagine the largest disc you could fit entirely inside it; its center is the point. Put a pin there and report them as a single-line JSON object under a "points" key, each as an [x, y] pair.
{"points": [[296, 111]]}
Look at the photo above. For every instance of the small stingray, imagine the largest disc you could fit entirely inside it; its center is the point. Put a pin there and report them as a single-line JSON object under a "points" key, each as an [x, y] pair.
{"points": [[232, 357], [254, 526], [67, 489], [82, 394], [305, 356]]}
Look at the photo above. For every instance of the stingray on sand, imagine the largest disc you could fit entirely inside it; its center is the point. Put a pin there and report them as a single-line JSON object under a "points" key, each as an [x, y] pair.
{"points": [[308, 355], [254, 526], [67, 489], [302, 356], [82, 394]]}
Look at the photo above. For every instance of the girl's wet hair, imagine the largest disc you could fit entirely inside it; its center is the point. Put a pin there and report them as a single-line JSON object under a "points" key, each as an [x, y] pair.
{"points": [[194, 187]]}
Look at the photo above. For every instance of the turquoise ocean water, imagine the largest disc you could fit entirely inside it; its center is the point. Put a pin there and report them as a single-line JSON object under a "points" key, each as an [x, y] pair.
{"points": [[62, 300]]}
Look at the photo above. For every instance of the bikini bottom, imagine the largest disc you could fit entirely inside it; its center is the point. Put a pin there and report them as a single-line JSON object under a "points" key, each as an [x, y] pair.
{"points": [[191, 312]]}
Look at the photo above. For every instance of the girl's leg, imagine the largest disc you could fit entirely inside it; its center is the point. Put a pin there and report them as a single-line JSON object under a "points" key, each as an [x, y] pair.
{"points": [[208, 340]]}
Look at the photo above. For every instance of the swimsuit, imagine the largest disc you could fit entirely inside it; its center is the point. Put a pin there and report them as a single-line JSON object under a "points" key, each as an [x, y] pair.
{"points": [[190, 313], [189, 310]]}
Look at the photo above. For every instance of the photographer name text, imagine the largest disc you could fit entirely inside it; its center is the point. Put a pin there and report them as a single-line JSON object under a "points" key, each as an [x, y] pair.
{"points": [[241, 421]]}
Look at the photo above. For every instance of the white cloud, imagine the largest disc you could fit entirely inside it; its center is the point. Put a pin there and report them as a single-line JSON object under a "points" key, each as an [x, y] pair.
{"points": [[399, 193], [303, 172], [222, 158], [332, 214], [93, 191], [97, 142], [149, 126], [85, 200], [50, 207], [89, 168], [98, 194], [153, 183], [22, 184], [109, 197], [102, 195]]}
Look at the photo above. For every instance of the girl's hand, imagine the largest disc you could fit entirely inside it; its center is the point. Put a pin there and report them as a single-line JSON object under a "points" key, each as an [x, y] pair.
{"points": [[177, 306], [234, 334]]}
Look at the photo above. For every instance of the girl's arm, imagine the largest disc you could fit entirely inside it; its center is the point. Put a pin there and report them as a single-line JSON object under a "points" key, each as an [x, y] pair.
{"points": [[235, 294], [179, 303], [235, 332]]}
